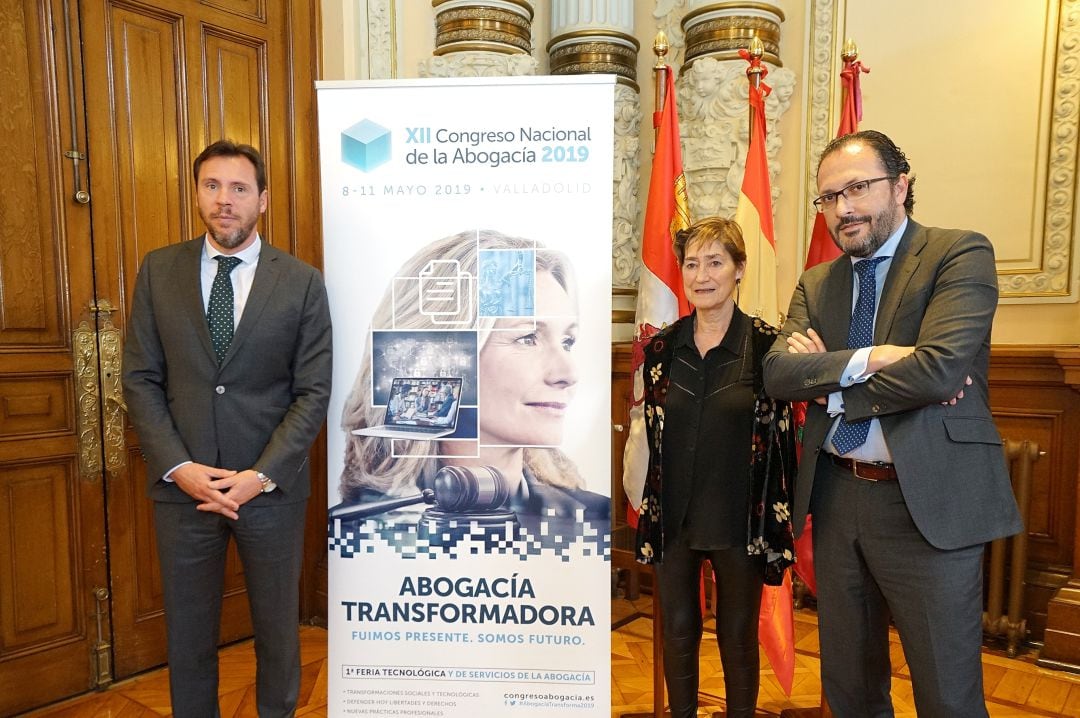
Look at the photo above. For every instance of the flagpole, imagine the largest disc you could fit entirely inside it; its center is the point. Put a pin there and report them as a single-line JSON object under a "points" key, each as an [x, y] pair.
{"points": [[753, 73], [660, 70]]}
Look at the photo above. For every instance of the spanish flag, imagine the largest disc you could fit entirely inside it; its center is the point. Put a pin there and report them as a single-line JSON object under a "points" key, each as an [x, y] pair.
{"points": [[757, 295], [776, 621], [660, 298]]}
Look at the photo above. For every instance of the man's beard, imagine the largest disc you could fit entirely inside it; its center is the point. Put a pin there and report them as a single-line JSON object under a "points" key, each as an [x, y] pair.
{"points": [[234, 238], [881, 226]]}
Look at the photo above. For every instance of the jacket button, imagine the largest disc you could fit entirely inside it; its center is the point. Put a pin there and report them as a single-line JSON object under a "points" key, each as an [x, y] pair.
{"points": [[876, 408], [219, 389]]}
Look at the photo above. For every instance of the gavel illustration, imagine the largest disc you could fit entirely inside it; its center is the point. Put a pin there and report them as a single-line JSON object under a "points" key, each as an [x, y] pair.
{"points": [[455, 489]]}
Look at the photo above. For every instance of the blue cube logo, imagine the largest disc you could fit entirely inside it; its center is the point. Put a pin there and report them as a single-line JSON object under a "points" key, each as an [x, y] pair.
{"points": [[365, 145]]}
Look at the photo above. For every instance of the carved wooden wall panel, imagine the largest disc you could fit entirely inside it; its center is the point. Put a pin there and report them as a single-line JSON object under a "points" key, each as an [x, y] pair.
{"points": [[152, 162], [161, 79], [236, 67], [44, 616], [29, 163], [51, 516], [1031, 400], [39, 601], [35, 403]]}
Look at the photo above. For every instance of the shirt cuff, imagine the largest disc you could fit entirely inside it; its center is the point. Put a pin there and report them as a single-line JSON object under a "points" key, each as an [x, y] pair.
{"points": [[836, 403], [168, 474], [855, 371]]}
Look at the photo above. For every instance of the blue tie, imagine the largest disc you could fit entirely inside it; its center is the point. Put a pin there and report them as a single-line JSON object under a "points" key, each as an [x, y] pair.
{"points": [[851, 435], [219, 312]]}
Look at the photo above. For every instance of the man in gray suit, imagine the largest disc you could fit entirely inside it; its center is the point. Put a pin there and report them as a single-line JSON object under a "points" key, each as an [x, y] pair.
{"points": [[227, 369], [902, 467]]}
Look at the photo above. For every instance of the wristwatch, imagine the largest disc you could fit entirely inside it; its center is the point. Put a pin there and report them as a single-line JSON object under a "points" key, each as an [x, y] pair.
{"points": [[267, 484]]}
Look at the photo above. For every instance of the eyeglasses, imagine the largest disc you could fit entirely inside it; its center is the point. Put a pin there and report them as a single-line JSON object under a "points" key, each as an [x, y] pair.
{"points": [[855, 190]]}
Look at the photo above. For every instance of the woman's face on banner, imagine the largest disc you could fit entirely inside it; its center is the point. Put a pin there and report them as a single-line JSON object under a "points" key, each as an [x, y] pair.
{"points": [[528, 373]]}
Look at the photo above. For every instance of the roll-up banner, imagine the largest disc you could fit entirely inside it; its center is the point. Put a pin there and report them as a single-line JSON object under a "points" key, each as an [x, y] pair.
{"points": [[468, 260]]}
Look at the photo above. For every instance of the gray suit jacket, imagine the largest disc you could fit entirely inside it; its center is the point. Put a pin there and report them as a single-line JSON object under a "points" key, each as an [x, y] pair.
{"points": [[940, 296], [263, 406]]}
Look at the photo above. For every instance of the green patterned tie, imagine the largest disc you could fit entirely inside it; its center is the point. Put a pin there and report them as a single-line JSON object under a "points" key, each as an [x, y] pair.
{"points": [[220, 311]]}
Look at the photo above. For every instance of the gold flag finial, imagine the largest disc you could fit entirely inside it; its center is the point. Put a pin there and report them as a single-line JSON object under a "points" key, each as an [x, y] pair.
{"points": [[757, 47], [660, 48], [850, 51]]}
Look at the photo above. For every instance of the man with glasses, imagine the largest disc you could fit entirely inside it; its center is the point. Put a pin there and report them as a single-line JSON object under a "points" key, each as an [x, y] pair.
{"points": [[902, 467]]}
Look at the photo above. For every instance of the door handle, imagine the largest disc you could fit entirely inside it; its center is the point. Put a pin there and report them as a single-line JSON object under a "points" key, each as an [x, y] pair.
{"points": [[87, 400], [111, 352]]}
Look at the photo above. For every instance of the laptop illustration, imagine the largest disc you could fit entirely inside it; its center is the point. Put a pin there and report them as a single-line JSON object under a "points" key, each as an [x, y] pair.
{"points": [[419, 408]]}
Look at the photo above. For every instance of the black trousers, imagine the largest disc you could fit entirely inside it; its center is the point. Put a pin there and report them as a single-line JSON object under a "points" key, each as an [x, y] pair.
{"points": [[739, 580]]}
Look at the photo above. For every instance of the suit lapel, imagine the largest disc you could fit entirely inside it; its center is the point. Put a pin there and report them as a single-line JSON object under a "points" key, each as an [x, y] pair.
{"points": [[189, 282], [836, 304], [904, 263], [262, 288]]}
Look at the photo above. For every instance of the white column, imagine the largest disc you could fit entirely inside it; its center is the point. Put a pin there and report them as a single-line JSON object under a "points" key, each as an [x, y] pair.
{"points": [[597, 36]]}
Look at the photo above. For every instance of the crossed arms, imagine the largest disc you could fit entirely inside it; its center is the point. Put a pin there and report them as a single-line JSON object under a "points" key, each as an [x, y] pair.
{"points": [[933, 334]]}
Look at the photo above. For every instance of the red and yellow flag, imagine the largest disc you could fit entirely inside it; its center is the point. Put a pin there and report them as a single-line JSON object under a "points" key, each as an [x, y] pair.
{"points": [[757, 295], [776, 623], [660, 298]]}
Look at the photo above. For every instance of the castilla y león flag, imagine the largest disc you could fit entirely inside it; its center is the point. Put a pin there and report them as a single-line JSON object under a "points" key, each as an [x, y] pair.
{"points": [[660, 298]]}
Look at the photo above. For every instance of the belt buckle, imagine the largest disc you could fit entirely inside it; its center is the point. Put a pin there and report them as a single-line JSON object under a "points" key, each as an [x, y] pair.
{"points": [[855, 464]]}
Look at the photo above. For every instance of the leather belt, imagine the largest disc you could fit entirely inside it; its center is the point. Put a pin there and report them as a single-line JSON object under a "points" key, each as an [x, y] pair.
{"points": [[867, 470]]}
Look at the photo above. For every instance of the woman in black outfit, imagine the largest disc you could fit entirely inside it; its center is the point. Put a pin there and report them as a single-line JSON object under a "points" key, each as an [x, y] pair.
{"points": [[721, 456]]}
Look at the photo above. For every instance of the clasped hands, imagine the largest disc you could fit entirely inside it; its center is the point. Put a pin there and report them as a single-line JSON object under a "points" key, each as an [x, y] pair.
{"points": [[881, 356], [221, 491]]}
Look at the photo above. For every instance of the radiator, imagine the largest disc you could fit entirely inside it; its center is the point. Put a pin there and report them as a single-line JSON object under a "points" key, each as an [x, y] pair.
{"points": [[1021, 457]]}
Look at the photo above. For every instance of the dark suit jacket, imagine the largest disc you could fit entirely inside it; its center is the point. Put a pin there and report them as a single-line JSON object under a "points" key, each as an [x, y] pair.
{"points": [[940, 296], [263, 406]]}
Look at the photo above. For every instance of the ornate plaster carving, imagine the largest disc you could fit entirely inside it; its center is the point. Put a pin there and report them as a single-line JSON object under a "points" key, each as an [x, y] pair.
{"points": [[626, 225], [479, 64], [376, 33], [821, 83], [1057, 277], [714, 122], [382, 50]]}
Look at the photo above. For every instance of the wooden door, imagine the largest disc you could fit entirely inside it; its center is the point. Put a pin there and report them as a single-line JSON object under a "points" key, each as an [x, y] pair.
{"points": [[52, 517], [168, 81], [153, 83]]}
